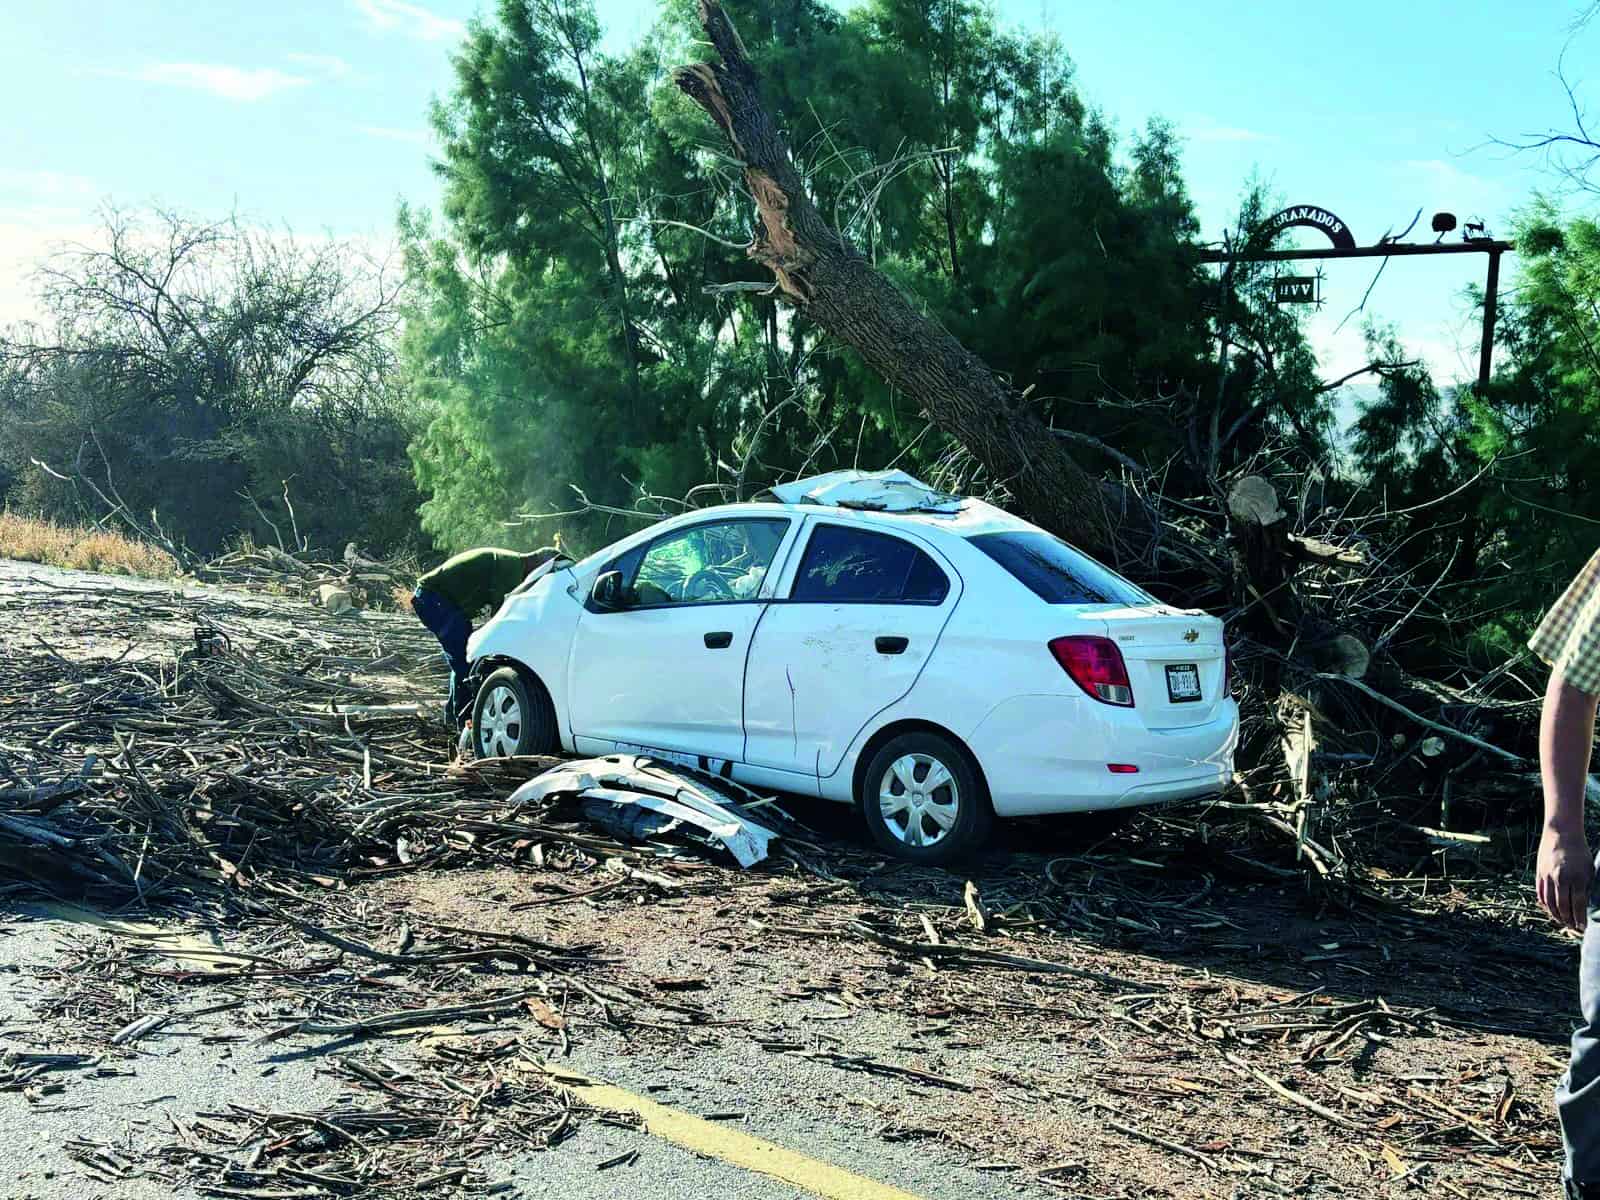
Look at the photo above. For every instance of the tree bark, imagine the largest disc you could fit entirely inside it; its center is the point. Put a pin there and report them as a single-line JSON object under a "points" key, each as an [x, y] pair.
{"points": [[819, 271]]}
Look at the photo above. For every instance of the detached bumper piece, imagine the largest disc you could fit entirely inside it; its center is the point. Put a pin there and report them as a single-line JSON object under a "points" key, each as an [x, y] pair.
{"points": [[641, 800]]}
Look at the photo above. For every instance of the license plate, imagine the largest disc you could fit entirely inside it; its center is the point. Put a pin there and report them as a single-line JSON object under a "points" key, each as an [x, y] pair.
{"points": [[1183, 682]]}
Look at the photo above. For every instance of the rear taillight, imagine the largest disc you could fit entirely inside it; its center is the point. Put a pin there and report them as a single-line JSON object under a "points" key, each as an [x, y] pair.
{"points": [[1096, 666]]}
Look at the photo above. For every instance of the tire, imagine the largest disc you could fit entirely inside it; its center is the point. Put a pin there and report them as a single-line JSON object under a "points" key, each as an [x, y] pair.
{"points": [[512, 716], [951, 820]]}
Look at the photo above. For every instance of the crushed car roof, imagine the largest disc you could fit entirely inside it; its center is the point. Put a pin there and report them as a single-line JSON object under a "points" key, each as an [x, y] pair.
{"points": [[886, 496], [872, 491]]}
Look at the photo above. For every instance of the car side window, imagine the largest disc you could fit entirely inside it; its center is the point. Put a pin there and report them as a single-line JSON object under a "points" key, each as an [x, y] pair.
{"points": [[843, 565], [717, 562]]}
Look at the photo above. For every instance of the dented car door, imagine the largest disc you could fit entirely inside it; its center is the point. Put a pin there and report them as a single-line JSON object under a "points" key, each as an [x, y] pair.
{"points": [[859, 616]]}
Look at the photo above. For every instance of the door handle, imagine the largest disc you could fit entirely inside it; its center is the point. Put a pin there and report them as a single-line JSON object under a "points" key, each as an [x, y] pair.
{"points": [[720, 640], [892, 645]]}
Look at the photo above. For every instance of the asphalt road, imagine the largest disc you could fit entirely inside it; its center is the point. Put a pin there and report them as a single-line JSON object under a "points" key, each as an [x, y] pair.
{"points": [[208, 1065]]}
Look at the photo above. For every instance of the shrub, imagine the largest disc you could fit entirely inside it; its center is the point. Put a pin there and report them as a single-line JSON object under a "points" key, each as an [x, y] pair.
{"points": [[30, 539]]}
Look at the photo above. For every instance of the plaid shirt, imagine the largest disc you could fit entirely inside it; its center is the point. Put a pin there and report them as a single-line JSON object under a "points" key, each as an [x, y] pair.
{"points": [[1569, 636]]}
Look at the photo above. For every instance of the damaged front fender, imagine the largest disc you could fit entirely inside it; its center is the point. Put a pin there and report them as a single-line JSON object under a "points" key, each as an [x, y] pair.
{"points": [[535, 628]]}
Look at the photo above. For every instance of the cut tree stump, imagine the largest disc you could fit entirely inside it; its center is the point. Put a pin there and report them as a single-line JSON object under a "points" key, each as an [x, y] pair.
{"points": [[334, 598]]}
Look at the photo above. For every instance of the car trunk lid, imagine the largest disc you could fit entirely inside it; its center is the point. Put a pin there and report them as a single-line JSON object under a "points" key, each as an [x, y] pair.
{"points": [[1175, 659]]}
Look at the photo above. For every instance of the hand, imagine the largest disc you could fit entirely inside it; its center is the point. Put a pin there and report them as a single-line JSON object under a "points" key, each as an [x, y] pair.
{"points": [[1563, 876]]}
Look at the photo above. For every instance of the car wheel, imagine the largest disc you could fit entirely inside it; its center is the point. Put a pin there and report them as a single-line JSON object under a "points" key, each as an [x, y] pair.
{"points": [[513, 716], [922, 801]]}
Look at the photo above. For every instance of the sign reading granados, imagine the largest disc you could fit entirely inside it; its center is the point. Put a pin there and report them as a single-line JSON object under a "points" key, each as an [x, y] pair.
{"points": [[1310, 216]]}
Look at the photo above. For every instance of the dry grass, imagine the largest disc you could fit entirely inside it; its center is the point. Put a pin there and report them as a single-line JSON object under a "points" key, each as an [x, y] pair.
{"points": [[30, 539]]}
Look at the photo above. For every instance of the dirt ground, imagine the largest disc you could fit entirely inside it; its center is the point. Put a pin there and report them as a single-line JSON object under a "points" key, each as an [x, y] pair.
{"points": [[1137, 1016], [1144, 1084]]}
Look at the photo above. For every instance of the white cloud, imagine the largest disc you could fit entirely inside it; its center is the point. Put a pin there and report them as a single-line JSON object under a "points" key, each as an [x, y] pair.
{"points": [[412, 20], [231, 83], [1448, 349], [1441, 184], [415, 137], [41, 211], [28, 236], [329, 65], [1338, 350], [1440, 171]]}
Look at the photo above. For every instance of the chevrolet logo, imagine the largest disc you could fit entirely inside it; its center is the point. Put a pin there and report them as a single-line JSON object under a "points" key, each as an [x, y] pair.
{"points": [[1192, 636]]}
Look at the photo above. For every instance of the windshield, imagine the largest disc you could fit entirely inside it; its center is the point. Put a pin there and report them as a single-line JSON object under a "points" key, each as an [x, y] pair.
{"points": [[1057, 573]]}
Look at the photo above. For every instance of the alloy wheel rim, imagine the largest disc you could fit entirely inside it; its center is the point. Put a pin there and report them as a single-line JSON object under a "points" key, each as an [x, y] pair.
{"points": [[500, 723], [919, 800]]}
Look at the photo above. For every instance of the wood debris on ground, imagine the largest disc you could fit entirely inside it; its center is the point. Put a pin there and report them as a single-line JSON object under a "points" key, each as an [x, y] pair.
{"points": [[276, 782], [364, 582]]}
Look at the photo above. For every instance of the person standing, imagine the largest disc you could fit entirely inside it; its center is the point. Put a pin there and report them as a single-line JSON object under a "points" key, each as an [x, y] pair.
{"points": [[1569, 640], [448, 597]]}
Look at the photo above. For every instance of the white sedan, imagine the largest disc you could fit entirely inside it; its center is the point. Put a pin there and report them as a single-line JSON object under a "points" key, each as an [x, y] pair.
{"points": [[861, 638]]}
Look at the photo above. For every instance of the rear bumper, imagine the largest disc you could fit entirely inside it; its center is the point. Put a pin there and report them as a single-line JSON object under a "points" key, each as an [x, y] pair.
{"points": [[1049, 754]]}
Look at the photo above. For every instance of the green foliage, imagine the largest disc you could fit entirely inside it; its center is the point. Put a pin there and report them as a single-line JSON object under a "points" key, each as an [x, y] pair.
{"points": [[1271, 393], [1412, 442], [1540, 421], [556, 339], [562, 326], [560, 332], [1499, 489]]}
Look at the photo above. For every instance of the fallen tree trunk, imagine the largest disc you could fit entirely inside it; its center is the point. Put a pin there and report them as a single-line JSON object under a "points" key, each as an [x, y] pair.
{"points": [[1313, 600], [819, 271]]}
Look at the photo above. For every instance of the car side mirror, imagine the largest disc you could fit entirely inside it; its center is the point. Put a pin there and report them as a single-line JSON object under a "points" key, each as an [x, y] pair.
{"points": [[609, 593]]}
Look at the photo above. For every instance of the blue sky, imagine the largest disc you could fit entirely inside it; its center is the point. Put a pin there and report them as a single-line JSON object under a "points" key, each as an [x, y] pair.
{"points": [[311, 114]]}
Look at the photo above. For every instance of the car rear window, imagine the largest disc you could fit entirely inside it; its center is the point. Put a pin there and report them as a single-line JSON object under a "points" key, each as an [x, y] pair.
{"points": [[852, 566], [1057, 573]]}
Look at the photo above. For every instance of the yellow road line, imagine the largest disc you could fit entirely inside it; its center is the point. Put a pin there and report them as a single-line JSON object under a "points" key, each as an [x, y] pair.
{"points": [[721, 1141], [710, 1138]]}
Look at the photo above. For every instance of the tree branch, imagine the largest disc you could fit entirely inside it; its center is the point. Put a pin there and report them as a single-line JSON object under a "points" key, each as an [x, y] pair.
{"points": [[114, 504], [1379, 367], [1111, 452], [271, 524]]}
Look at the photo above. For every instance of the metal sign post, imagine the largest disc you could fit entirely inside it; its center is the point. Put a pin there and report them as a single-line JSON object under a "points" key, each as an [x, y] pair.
{"points": [[1490, 288], [1344, 246]]}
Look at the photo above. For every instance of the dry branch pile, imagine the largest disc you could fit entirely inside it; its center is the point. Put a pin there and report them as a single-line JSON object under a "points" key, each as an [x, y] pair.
{"points": [[1369, 743], [393, 1130], [253, 780], [252, 764], [477, 1099], [369, 583]]}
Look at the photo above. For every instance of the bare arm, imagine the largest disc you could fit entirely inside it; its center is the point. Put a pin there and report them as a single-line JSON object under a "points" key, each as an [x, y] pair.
{"points": [[1565, 869]]}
